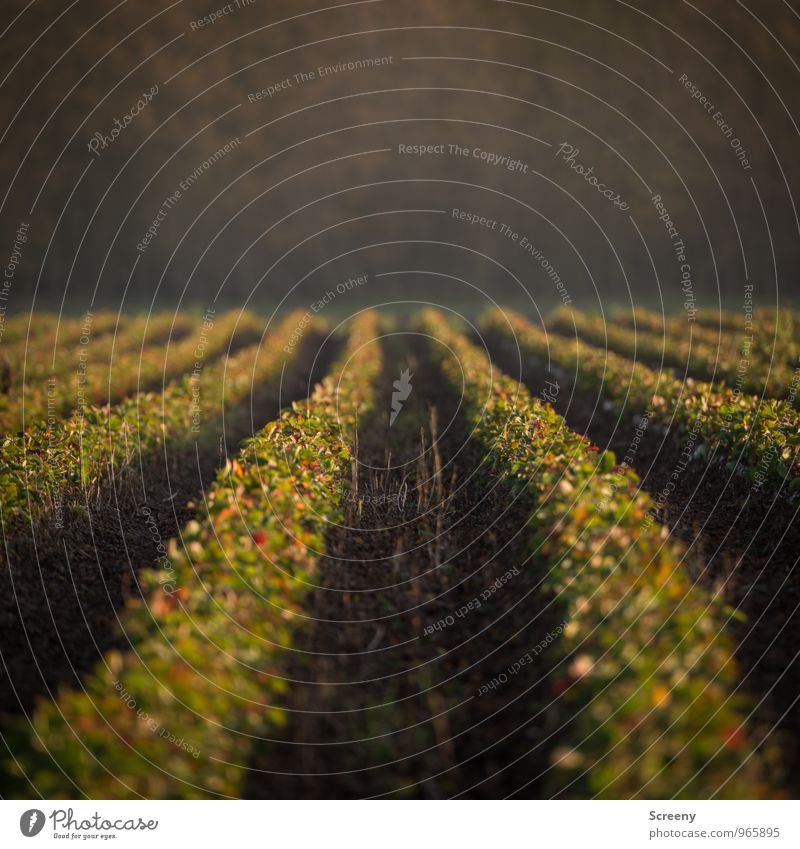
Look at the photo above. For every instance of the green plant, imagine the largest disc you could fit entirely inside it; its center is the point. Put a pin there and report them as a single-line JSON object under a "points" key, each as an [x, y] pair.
{"points": [[647, 669], [757, 438], [177, 714]]}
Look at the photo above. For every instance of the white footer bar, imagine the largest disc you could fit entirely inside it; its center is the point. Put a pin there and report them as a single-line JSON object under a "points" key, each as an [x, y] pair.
{"points": [[402, 825]]}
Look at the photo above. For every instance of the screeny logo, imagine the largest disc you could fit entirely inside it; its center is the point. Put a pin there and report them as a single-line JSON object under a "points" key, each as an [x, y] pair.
{"points": [[31, 822]]}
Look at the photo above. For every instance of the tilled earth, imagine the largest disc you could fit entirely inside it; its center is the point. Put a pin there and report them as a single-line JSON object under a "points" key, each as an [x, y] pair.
{"points": [[746, 542], [385, 671], [61, 587]]}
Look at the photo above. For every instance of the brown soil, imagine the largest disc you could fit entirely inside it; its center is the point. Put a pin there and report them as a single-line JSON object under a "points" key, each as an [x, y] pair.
{"points": [[376, 707], [61, 588]]}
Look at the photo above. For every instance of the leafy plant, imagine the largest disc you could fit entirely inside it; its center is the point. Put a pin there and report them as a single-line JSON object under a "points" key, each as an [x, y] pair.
{"points": [[758, 438], [177, 714], [60, 463], [647, 669], [757, 363]]}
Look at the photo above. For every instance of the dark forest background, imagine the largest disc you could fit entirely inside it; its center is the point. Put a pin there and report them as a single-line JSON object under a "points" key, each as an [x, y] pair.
{"points": [[603, 76]]}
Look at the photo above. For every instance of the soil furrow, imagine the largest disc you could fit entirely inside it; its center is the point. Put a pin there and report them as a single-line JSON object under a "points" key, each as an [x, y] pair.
{"points": [[742, 540], [384, 673], [63, 582]]}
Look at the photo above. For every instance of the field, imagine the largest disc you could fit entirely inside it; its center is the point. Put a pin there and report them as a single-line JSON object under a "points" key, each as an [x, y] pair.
{"points": [[401, 555]]}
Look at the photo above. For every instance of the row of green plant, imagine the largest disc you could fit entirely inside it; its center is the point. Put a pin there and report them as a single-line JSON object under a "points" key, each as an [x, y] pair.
{"points": [[57, 354], [39, 329], [644, 667], [157, 365], [729, 358], [679, 327], [772, 319], [108, 369], [758, 438], [771, 337], [784, 318], [31, 355], [178, 714], [59, 464], [646, 319]]}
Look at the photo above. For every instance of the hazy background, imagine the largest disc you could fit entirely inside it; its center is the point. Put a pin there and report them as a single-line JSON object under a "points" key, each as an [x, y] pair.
{"points": [[314, 196]]}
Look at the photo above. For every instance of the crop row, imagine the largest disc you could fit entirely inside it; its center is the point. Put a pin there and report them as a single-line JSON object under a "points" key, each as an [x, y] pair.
{"points": [[784, 318], [729, 358], [111, 368], [178, 714], [677, 328], [758, 438], [39, 329], [770, 320], [157, 365], [644, 666], [57, 354], [769, 339], [58, 463]]}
